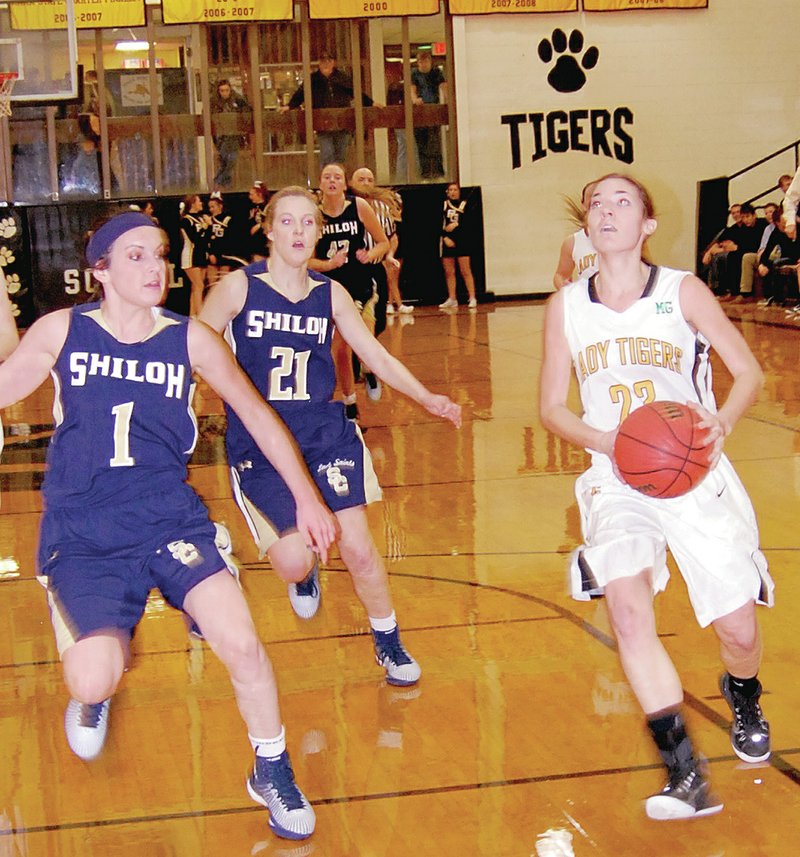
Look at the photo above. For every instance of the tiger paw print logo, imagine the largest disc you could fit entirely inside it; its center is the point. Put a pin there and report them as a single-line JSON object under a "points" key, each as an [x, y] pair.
{"points": [[6, 256], [13, 284], [567, 74], [8, 227]]}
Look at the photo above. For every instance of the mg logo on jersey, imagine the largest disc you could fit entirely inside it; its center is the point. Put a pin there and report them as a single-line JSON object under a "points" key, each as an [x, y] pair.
{"points": [[663, 307]]}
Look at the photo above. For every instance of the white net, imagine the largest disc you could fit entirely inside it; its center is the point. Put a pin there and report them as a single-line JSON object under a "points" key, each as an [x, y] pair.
{"points": [[7, 81]]}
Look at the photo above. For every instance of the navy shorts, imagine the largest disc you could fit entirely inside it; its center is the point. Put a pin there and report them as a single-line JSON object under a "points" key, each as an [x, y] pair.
{"points": [[101, 562], [343, 473]]}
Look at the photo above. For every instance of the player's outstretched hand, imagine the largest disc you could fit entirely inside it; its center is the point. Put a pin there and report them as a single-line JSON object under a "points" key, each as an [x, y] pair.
{"points": [[442, 406], [715, 432], [318, 527]]}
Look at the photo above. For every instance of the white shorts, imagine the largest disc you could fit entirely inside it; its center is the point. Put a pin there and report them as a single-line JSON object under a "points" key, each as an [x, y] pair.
{"points": [[711, 533]]}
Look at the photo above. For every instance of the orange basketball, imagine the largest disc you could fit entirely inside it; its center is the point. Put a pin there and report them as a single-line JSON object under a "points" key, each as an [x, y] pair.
{"points": [[659, 450]]}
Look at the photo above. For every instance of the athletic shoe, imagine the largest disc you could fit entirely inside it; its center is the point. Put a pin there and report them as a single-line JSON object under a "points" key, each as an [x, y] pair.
{"points": [[450, 303], [306, 595], [373, 385], [749, 730], [86, 727], [738, 299], [272, 785], [405, 308], [389, 309], [688, 796], [765, 302], [401, 668], [473, 304], [554, 842], [351, 412]]}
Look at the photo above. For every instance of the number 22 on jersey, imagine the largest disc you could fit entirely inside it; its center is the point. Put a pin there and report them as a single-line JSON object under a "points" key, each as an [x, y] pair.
{"points": [[621, 394]]}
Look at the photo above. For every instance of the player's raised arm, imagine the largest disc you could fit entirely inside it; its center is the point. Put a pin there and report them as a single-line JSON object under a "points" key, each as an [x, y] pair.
{"points": [[214, 362], [29, 364]]}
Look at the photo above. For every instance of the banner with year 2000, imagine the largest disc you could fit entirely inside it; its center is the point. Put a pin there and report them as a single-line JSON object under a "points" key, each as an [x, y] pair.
{"points": [[370, 8], [492, 7], [52, 15], [219, 11]]}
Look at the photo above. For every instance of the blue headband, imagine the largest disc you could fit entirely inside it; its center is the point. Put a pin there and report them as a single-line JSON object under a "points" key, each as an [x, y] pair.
{"points": [[101, 240]]}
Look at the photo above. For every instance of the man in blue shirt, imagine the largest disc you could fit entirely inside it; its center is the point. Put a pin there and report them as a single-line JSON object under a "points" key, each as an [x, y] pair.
{"points": [[428, 86]]}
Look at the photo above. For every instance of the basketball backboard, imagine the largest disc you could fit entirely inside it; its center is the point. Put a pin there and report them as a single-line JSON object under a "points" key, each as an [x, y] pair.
{"points": [[38, 42]]}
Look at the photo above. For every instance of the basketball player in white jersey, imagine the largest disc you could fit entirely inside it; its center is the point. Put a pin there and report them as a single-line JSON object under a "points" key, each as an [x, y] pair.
{"points": [[578, 256], [636, 333]]}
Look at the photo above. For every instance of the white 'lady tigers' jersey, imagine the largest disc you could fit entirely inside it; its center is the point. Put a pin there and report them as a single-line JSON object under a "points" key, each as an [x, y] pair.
{"points": [[583, 255], [625, 359]]}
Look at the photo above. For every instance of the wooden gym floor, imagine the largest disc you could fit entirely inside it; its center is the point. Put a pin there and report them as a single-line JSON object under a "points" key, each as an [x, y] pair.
{"points": [[522, 722]]}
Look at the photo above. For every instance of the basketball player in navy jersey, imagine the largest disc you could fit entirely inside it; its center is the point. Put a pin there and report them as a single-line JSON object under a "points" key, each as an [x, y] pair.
{"points": [[342, 254], [637, 333], [280, 318], [120, 518]]}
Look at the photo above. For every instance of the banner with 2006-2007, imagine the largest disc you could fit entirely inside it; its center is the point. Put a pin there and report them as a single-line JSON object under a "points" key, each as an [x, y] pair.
{"points": [[371, 8], [219, 11], [52, 15], [626, 5], [492, 7]]}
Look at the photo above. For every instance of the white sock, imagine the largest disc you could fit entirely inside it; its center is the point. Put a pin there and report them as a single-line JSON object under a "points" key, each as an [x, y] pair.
{"points": [[271, 748], [387, 624], [350, 400]]}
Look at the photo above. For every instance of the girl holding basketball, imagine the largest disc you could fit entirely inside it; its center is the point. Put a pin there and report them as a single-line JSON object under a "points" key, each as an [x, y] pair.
{"points": [[637, 333]]}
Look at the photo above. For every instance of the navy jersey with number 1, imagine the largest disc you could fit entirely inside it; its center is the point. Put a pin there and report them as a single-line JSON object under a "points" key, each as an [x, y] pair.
{"points": [[124, 421]]}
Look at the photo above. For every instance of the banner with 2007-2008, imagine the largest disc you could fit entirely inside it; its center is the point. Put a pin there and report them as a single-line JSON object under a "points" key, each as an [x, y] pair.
{"points": [[219, 11], [626, 5], [52, 15], [493, 7], [371, 8]]}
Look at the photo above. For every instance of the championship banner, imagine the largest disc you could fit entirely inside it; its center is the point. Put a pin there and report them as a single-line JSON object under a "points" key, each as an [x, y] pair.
{"points": [[219, 11], [370, 8], [625, 5], [52, 15], [491, 7]]}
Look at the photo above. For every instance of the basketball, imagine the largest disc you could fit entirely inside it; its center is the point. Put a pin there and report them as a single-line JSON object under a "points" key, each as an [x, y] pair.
{"points": [[659, 450]]}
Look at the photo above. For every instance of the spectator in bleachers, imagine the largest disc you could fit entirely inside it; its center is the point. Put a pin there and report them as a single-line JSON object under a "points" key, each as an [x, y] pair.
{"points": [[330, 87], [716, 254], [751, 259], [725, 255], [790, 205], [226, 100], [428, 87], [778, 266]]}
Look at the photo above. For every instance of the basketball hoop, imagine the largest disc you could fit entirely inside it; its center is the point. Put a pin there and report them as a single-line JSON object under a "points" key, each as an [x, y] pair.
{"points": [[7, 81]]}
